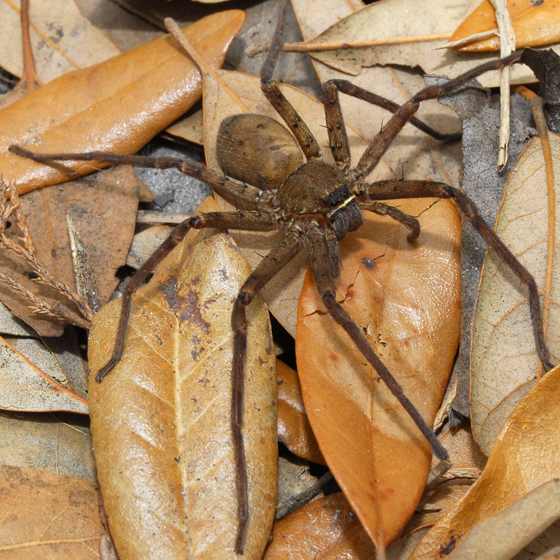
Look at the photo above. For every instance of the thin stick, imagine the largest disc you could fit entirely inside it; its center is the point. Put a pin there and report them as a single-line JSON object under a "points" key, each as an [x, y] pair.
{"points": [[307, 47], [153, 217], [507, 46]]}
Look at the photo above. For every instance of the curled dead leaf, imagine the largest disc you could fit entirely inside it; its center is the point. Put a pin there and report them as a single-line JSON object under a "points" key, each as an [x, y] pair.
{"points": [[161, 418], [502, 536], [524, 457], [406, 299], [294, 429]]}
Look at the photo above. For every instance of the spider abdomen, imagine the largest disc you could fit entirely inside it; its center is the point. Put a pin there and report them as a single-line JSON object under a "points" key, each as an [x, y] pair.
{"points": [[257, 150]]}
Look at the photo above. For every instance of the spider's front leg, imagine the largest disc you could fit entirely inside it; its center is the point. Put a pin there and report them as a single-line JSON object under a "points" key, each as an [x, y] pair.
{"points": [[393, 189], [379, 145], [250, 221], [319, 255]]}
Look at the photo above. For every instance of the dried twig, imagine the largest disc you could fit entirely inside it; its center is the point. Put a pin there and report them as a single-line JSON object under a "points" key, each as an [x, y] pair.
{"points": [[507, 46], [309, 47]]}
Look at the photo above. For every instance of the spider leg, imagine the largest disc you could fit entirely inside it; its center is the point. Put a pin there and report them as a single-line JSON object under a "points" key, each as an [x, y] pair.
{"points": [[278, 257], [379, 145], [331, 91], [409, 222], [252, 221], [391, 189], [318, 254], [225, 186], [284, 108]]}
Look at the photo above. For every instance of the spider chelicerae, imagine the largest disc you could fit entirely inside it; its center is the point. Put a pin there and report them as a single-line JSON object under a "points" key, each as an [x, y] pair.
{"points": [[316, 204]]}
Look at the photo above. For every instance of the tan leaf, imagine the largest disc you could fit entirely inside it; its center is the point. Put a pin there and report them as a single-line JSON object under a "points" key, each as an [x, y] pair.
{"points": [[161, 418], [27, 387], [534, 24], [47, 516], [407, 27], [103, 209], [504, 360], [56, 443], [60, 44], [407, 301], [523, 458], [326, 528], [294, 429], [501, 537], [190, 128], [115, 106], [242, 93]]}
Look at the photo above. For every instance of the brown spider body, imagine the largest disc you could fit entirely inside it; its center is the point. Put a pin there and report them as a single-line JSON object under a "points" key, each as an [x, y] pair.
{"points": [[315, 204]]}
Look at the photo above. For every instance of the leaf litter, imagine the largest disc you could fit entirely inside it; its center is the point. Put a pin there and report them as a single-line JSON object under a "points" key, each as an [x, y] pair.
{"points": [[418, 532]]}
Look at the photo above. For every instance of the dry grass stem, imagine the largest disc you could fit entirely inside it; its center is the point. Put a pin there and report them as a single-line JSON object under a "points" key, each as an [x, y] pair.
{"points": [[507, 46], [27, 253]]}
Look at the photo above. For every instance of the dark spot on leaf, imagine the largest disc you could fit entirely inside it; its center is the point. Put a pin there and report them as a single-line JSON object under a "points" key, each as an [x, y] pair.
{"points": [[446, 550]]}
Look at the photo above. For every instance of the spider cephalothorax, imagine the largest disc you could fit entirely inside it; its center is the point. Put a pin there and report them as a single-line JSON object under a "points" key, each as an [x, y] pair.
{"points": [[279, 176]]}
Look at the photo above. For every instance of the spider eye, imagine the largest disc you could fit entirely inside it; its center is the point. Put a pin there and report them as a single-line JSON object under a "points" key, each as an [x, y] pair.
{"points": [[337, 196]]}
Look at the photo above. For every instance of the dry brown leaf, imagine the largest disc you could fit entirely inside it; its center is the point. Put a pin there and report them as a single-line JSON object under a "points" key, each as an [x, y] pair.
{"points": [[501, 537], [103, 209], [534, 24], [47, 516], [115, 106], [60, 44], [163, 442], [418, 21], [407, 301], [504, 360], [413, 154], [56, 443], [296, 485], [524, 457], [294, 429], [242, 92], [27, 387], [326, 528]]}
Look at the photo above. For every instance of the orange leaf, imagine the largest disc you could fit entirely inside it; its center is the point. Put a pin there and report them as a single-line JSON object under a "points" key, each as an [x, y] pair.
{"points": [[45, 515], [161, 419], [407, 301], [523, 457], [534, 23], [326, 528], [116, 106]]}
